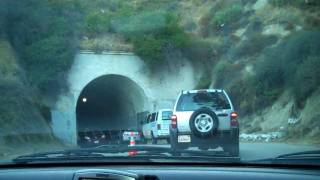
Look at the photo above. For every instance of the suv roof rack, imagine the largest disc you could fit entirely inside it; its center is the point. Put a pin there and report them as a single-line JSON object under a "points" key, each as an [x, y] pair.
{"points": [[201, 90]]}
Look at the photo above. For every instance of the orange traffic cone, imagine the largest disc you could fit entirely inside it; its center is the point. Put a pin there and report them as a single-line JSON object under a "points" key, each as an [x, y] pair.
{"points": [[132, 153], [132, 141]]}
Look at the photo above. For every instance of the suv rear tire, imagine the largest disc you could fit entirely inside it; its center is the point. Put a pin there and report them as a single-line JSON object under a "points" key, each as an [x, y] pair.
{"points": [[210, 126]]}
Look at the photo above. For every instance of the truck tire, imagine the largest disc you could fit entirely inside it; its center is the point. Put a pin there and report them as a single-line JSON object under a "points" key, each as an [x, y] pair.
{"points": [[143, 140], [204, 123], [153, 139]]}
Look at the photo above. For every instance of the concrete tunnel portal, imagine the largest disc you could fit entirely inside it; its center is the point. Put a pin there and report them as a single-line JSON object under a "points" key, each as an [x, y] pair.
{"points": [[109, 102]]}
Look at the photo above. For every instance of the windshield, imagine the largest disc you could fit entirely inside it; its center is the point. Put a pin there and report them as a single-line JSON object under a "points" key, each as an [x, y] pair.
{"points": [[217, 78], [194, 101]]}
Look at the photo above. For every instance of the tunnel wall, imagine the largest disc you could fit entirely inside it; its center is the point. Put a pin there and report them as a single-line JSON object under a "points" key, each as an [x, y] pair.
{"points": [[87, 67], [160, 91]]}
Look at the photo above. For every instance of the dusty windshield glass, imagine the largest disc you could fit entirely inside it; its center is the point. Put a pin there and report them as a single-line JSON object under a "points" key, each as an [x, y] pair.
{"points": [[86, 74]]}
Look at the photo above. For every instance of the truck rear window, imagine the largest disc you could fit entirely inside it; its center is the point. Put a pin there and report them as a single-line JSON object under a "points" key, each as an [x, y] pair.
{"points": [[166, 115], [194, 101]]}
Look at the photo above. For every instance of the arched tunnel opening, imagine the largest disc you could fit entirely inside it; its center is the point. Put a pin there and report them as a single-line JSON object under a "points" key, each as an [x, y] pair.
{"points": [[109, 103]]}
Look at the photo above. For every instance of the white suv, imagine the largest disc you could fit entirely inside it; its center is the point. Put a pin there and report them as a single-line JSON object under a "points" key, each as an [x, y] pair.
{"points": [[205, 119]]}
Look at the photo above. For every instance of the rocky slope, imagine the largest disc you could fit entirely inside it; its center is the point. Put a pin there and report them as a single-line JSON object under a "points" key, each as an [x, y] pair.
{"points": [[22, 122]]}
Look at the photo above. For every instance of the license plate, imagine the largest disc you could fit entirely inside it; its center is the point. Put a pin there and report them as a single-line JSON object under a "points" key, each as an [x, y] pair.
{"points": [[184, 138], [96, 142]]}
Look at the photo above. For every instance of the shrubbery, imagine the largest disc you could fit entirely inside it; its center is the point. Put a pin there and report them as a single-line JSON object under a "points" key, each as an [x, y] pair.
{"points": [[254, 45], [307, 77], [223, 17], [152, 41], [97, 23], [227, 16], [44, 34], [295, 3], [201, 51], [290, 65], [204, 82]]}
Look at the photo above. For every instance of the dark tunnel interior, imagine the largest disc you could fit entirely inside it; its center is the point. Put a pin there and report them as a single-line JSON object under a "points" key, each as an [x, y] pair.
{"points": [[109, 102]]}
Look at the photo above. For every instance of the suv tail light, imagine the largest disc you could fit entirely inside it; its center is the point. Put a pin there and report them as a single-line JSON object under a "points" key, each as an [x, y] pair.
{"points": [[174, 121], [159, 126], [233, 118]]}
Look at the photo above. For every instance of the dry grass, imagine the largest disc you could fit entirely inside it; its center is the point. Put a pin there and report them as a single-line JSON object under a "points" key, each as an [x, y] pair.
{"points": [[288, 15], [271, 118], [306, 130], [107, 42], [8, 65]]}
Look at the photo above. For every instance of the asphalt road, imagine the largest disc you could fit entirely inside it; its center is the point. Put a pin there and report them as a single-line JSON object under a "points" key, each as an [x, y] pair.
{"points": [[251, 151], [248, 151], [254, 151]]}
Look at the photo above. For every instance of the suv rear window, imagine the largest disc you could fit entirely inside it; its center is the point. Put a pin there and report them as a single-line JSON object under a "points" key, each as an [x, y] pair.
{"points": [[194, 101]]}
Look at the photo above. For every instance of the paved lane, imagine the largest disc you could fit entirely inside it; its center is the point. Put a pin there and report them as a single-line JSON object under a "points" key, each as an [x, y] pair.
{"points": [[252, 151]]}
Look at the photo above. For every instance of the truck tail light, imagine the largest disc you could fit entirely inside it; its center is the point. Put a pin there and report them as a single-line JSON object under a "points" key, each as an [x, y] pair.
{"points": [[174, 121], [159, 126], [233, 118]]}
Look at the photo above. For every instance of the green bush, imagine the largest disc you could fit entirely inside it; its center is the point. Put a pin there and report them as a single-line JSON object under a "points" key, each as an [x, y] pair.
{"points": [[149, 48], [140, 24], [307, 78], [296, 49], [201, 51], [221, 67], [226, 72], [97, 23], [153, 41], [45, 60], [295, 3], [44, 34], [280, 3], [290, 65], [227, 16], [254, 45], [204, 82]]}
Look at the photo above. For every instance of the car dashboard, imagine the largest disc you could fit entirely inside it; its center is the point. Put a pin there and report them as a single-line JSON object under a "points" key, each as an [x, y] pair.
{"points": [[155, 172]]}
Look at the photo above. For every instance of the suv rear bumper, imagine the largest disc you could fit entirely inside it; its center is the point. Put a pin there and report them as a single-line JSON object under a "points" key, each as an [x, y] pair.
{"points": [[163, 136], [219, 138]]}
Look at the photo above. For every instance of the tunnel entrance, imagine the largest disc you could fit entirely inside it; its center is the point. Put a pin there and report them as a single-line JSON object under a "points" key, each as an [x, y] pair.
{"points": [[109, 102]]}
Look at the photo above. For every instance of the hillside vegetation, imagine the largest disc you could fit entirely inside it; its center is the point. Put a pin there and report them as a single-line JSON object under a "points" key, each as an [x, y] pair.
{"points": [[21, 118], [258, 50]]}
